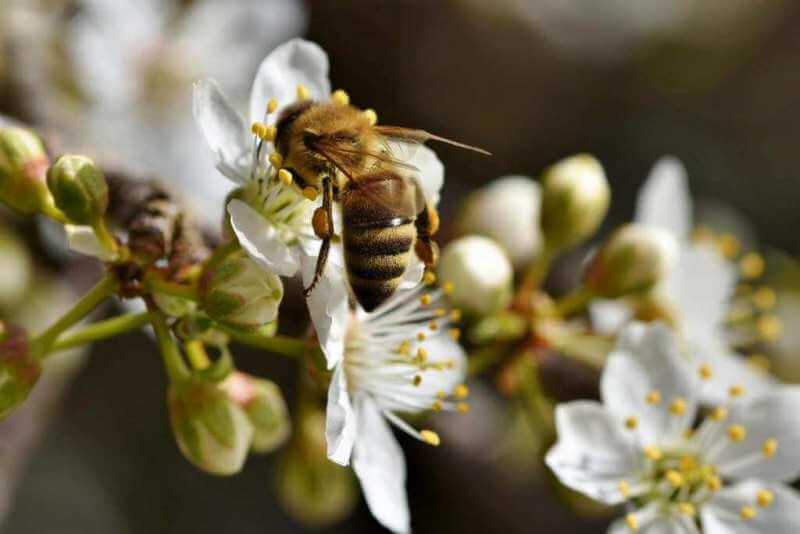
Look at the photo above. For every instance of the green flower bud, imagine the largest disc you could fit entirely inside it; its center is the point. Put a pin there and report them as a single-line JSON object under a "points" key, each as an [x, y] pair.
{"points": [[312, 489], [633, 260], [239, 293], [23, 165], [79, 189], [263, 403], [19, 371], [575, 198], [211, 430], [480, 273]]}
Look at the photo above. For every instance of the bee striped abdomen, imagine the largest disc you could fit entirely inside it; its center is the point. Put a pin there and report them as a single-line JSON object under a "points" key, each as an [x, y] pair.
{"points": [[376, 258]]}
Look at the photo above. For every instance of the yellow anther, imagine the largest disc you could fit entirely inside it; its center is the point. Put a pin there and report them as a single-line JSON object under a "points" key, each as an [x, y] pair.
{"points": [[371, 116], [736, 391], [421, 336], [430, 437], [303, 93], [751, 265], [653, 397], [653, 453], [429, 278], [770, 328], [770, 447], [272, 105], [674, 478], [447, 288], [310, 193], [461, 391], [417, 380], [758, 362], [687, 509], [729, 245], [764, 498], [737, 433], [624, 488], [631, 521], [713, 483], [276, 160], [747, 513], [404, 348], [425, 299], [688, 463], [258, 129], [285, 177], [455, 315], [705, 371], [436, 406], [422, 355], [631, 422], [433, 325], [439, 312], [441, 394], [720, 413], [765, 298], [454, 333], [462, 407], [678, 406], [340, 98]]}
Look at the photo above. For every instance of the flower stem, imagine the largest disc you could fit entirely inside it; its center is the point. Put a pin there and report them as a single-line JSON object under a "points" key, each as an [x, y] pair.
{"points": [[534, 277], [538, 407], [158, 285], [173, 360], [100, 330], [574, 302], [106, 287], [281, 345], [105, 238], [197, 355], [49, 210]]}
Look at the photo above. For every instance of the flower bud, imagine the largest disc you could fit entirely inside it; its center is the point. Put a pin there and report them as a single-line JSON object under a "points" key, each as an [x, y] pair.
{"points": [[19, 371], [480, 272], [507, 210], [239, 293], [634, 259], [23, 165], [211, 430], [79, 189], [312, 489], [263, 403], [574, 201]]}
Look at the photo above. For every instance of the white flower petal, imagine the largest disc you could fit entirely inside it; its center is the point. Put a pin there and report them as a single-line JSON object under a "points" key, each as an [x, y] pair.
{"points": [[291, 64], [431, 172], [82, 239], [773, 415], [261, 240], [609, 316], [224, 130], [721, 515], [664, 200], [381, 468], [647, 359], [328, 303], [340, 421], [592, 454]]}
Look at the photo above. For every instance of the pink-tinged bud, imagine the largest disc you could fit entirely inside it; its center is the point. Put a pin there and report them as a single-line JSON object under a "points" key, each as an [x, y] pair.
{"points": [[264, 405], [19, 371], [23, 167]]}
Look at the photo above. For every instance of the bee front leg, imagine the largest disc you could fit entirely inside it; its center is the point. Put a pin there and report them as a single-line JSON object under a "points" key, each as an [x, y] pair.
{"points": [[322, 222], [427, 224]]}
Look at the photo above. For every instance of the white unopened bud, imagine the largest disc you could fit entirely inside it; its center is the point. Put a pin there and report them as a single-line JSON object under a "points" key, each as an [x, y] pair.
{"points": [[480, 272], [575, 198], [634, 259], [264, 405], [507, 210], [239, 293], [212, 431]]}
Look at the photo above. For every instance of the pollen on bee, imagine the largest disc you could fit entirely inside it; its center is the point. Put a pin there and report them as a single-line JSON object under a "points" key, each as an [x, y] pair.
{"points": [[372, 116], [430, 437], [285, 177], [310, 193], [303, 93], [340, 98], [272, 105], [276, 160]]}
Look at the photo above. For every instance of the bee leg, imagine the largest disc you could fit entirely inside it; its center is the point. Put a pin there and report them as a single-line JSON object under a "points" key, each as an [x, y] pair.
{"points": [[427, 223], [322, 222]]}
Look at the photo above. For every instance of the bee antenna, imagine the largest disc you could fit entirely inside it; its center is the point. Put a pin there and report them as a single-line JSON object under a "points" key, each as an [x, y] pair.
{"points": [[457, 144]]}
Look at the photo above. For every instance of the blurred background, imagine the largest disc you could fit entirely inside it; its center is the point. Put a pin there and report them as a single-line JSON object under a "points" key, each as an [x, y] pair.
{"points": [[715, 83]]}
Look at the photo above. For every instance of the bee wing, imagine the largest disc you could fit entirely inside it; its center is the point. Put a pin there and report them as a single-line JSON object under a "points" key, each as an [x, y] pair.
{"points": [[339, 152], [411, 135]]}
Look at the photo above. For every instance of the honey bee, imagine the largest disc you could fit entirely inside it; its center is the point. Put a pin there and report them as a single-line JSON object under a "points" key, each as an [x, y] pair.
{"points": [[336, 149]]}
